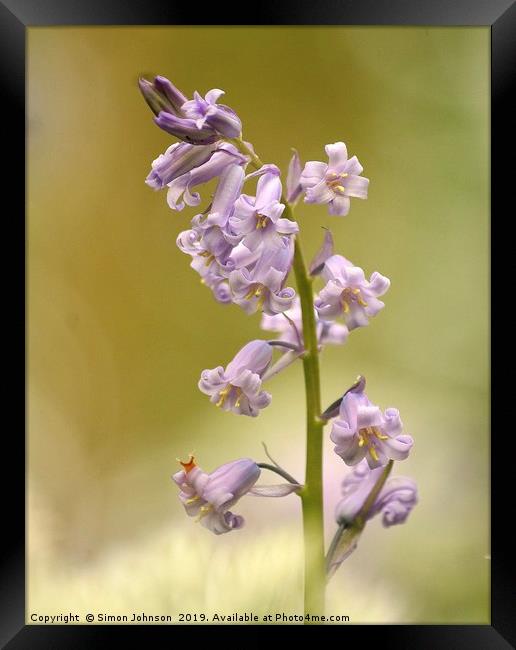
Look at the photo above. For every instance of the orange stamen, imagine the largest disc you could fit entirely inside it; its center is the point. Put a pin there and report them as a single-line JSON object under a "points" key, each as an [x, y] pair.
{"points": [[189, 465]]}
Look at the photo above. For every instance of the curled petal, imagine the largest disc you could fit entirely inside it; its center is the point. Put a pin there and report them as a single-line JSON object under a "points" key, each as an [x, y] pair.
{"points": [[212, 96], [353, 167], [280, 301], [393, 424], [212, 381], [379, 284], [397, 448], [337, 156]]}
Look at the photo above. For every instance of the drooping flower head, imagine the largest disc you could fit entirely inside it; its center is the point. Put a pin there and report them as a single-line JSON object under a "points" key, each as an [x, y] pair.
{"points": [[289, 326], [199, 121], [209, 496], [361, 431], [347, 293], [237, 388], [394, 501], [333, 183]]}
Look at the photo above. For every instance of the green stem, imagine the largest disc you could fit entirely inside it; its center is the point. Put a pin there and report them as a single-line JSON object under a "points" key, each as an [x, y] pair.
{"points": [[312, 493]]}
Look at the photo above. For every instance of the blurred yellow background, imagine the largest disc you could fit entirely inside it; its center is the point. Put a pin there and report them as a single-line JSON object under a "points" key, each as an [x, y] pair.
{"points": [[120, 327]]}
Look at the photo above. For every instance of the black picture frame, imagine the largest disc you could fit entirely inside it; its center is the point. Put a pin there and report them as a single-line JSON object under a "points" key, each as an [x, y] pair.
{"points": [[18, 15]]}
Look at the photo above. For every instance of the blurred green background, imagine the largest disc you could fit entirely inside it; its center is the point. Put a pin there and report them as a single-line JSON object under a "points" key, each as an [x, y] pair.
{"points": [[120, 327]]}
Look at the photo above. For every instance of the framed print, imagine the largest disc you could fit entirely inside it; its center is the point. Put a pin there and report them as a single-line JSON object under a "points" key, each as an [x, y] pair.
{"points": [[256, 277]]}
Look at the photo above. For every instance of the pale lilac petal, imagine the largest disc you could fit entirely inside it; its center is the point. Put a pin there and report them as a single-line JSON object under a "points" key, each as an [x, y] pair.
{"points": [[248, 381], [339, 206], [356, 318], [397, 448], [337, 156], [393, 424], [268, 190], [369, 416], [353, 167], [240, 257], [227, 192], [336, 267], [356, 186], [224, 121], [212, 381], [212, 96], [319, 193], [260, 401], [379, 284], [354, 276], [175, 191], [313, 172], [255, 355], [273, 210], [280, 301], [286, 227], [265, 169], [273, 279]]}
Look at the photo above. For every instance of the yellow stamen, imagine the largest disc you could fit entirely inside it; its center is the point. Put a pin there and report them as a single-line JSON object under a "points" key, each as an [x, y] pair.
{"points": [[203, 512], [261, 221], [250, 294], [339, 188], [223, 395], [192, 500], [261, 299], [343, 174], [364, 439]]}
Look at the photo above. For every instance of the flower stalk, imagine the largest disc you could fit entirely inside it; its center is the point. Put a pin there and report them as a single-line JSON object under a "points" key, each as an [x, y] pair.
{"points": [[312, 492]]}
